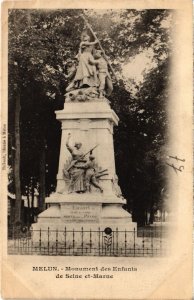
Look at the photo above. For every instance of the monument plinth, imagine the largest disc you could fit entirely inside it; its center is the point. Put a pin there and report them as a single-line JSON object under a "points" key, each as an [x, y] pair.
{"points": [[90, 124]]}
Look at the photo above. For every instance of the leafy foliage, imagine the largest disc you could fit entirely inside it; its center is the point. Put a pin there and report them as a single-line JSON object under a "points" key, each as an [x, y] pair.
{"points": [[40, 42]]}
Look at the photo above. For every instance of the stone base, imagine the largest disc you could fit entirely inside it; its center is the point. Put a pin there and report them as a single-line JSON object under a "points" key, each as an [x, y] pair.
{"points": [[73, 219], [89, 94], [95, 197], [86, 215]]}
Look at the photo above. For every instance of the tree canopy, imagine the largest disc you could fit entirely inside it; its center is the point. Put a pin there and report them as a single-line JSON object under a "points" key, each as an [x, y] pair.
{"points": [[41, 41]]}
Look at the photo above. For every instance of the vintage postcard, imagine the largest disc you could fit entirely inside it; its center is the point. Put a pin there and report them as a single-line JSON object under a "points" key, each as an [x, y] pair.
{"points": [[96, 149]]}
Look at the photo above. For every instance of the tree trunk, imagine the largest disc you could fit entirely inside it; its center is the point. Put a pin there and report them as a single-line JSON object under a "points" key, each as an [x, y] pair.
{"points": [[32, 195], [151, 216], [28, 212], [42, 176], [17, 160], [32, 202]]}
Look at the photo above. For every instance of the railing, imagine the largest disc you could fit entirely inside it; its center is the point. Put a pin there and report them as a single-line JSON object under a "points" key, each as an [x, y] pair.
{"points": [[106, 242]]}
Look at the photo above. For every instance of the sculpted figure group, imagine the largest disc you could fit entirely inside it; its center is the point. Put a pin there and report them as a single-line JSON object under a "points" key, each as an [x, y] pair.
{"points": [[91, 70], [82, 171]]}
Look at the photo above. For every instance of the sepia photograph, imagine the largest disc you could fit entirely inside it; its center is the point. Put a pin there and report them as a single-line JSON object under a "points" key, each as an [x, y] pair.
{"points": [[93, 171]]}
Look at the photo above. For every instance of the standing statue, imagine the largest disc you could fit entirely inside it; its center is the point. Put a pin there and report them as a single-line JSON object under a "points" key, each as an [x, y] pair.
{"points": [[86, 74], [75, 173], [105, 82]]}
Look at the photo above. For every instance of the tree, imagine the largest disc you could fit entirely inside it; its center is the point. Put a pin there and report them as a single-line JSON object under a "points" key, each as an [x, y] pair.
{"points": [[28, 49], [39, 44], [17, 158]]}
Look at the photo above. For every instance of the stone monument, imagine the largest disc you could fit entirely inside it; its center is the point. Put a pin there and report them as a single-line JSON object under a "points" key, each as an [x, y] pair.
{"points": [[88, 195]]}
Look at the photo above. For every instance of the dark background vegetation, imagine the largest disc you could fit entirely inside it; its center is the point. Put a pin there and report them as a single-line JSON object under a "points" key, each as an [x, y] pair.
{"points": [[40, 42]]}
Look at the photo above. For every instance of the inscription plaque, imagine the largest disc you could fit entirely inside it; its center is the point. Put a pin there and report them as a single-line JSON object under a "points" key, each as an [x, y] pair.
{"points": [[80, 213]]}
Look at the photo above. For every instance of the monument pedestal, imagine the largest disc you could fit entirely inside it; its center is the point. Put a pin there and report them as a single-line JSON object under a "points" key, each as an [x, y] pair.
{"points": [[91, 124], [85, 213]]}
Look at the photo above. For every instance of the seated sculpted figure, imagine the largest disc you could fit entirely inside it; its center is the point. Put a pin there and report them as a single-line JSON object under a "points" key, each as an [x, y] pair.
{"points": [[90, 174], [71, 71], [75, 173]]}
